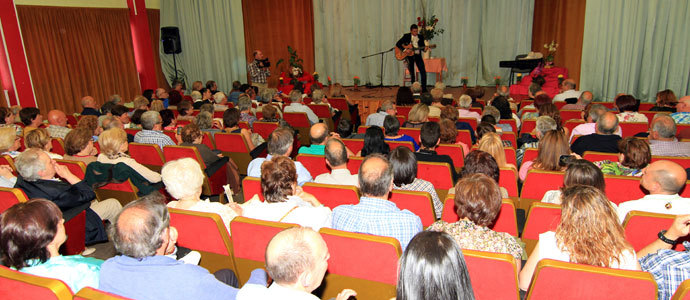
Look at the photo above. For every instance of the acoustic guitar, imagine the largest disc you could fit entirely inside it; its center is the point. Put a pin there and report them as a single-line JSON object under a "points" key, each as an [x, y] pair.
{"points": [[409, 51]]}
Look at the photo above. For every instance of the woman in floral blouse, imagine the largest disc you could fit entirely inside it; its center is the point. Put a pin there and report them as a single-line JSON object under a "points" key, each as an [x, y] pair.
{"points": [[478, 202], [627, 107], [634, 156]]}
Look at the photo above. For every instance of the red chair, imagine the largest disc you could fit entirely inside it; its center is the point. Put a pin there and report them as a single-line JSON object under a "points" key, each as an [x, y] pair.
{"points": [[362, 129], [537, 183], [509, 136], [500, 283], [434, 119], [353, 164], [355, 145], [331, 195], [401, 119], [300, 122], [526, 102], [264, 129], [510, 155], [568, 114], [680, 127], [132, 131], [171, 134], [542, 217], [72, 120], [455, 153], [206, 233], [366, 263], [125, 192], [321, 110], [510, 122], [212, 185], [404, 110], [650, 114], [641, 228], [471, 121], [476, 109], [183, 122], [633, 128], [464, 136], [396, 144], [559, 104], [249, 240], [208, 140], [340, 104], [623, 188], [58, 146], [78, 168], [8, 161], [149, 155], [251, 186], [646, 107], [530, 154], [508, 180], [88, 293], [438, 174], [609, 105], [599, 156], [562, 280], [528, 125], [10, 197], [683, 161], [234, 146], [413, 132], [15, 285], [683, 291], [419, 203], [315, 164], [506, 221], [571, 124]]}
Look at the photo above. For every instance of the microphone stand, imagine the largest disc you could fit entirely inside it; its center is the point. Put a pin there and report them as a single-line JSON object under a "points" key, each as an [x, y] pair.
{"points": [[380, 53]]}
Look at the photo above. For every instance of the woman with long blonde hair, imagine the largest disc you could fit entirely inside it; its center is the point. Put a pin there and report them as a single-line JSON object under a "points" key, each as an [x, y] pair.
{"points": [[492, 143], [589, 233], [551, 147]]}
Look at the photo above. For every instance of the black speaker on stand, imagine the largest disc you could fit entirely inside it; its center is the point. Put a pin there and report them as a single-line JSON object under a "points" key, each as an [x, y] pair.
{"points": [[170, 36]]}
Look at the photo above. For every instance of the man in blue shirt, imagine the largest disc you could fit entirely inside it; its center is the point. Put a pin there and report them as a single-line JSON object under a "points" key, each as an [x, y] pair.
{"points": [[279, 143], [375, 214], [142, 234]]}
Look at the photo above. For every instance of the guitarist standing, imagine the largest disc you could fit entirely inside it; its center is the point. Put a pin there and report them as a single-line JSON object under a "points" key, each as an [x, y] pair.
{"points": [[415, 40]]}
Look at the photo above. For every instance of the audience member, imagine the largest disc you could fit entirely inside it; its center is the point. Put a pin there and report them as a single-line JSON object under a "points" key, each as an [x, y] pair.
{"points": [[57, 121], [634, 156], [31, 118], [374, 142], [9, 143], [551, 147], [476, 93], [464, 105], [79, 146], [40, 139], [418, 115], [7, 178], [435, 107], [121, 113], [662, 138], [430, 137], [665, 101], [539, 100], [270, 113], [163, 96], [220, 101], [587, 234], [152, 125], [297, 105], [185, 111], [484, 128], [244, 105], [433, 267], [551, 110], [503, 106], [336, 159], [231, 121], [482, 162], [492, 144], [578, 171], [279, 144], [169, 121], [7, 119], [157, 105], [113, 143], [492, 111], [449, 135], [416, 89], [91, 124], [682, 114], [387, 108], [582, 102], [374, 214], [206, 95], [544, 124], [405, 96], [285, 201], [567, 91], [603, 140], [319, 135], [451, 113], [404, 165], [663, 179], [192, 136], [591, 116], [391, 126], [90, 107], [627, 107], [204, 120]]}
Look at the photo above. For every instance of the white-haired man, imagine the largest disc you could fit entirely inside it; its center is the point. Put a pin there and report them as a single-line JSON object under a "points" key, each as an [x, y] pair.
{"points": [[567, 91], [297, 105], [90, 107], [152, 125], [464, 105]]}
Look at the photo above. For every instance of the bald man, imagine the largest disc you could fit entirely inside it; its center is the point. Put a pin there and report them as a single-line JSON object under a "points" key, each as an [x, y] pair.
{"points": [[318, 134], [387, 108], [336, 159], [663, 179], [662, 137], [58, 124], [296, 259], [682, 114], [604, 139], [567, 91], [374, 214], [90, 107]]}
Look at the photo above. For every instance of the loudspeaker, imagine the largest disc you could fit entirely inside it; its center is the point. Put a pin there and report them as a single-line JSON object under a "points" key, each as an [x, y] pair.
{"points": [[171, 40]]}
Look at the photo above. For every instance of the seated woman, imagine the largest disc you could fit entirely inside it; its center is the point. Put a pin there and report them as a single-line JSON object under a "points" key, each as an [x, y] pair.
{"points": [[90, 123], [478, 202], [503, 106], [538, 102], [374, 142], [7, 118], [634, 156], [404, 165], [192, 136], [418, 115], [231, 121], [31, 234], [492, 144], [482, 162], [449, 135], [183, 180], [135, 119], [31, 118], [433, 267], [579, 171], [244, 105], [185, 110], [270, 113], [551, 110], [39, 138], [627, 107], [114, 146], [9, 142], [204, 121], [391, 126], [169, 121], [551, 147], [269, 96], [451, 113], [157, 105], [404, 97], [79, 146], [589, 233], [285, 201], [665, 101]]}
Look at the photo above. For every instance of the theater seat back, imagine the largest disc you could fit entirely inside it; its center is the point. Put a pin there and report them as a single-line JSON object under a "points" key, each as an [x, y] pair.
{"points": [[500, 283], [206, 233], [16, 285], [331, 195]]}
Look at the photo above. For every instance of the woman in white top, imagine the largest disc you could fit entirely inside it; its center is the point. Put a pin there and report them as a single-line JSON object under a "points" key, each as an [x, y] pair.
{"points": [[183, 179], [579, 171], [285, 201], [114, 144], [589, 233]]}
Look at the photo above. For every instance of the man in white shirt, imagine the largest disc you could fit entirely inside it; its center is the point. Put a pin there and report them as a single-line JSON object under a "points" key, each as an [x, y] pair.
{"points": [[387, 108], [663, 179], [279, 143], [336, 159], [297, 260], [592, 116], [567, 91], [297, 105]]}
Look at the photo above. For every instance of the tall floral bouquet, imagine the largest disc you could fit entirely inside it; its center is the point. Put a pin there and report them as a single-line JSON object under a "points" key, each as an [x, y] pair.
{"points": [[427, 27], [551, 47]]}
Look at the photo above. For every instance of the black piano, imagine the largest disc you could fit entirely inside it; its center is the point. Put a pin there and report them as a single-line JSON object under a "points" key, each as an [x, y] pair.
{"points": [[519, 66]]}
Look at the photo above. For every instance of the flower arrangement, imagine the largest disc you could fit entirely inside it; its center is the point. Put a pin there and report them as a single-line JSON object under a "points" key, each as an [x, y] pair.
{"points": [[519, 77], [316, 76], [329, 80], [356, 80], [427, 27], [464, 81], [551, 47], [497, 80], [560, 76]]}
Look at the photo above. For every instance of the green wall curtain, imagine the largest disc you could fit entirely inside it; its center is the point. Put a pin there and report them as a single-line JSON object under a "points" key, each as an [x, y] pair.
{"points": [[212, 35], [638, 47], [478, 34]]}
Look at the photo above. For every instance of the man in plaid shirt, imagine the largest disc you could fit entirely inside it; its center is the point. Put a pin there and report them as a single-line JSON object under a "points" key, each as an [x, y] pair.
{"points": [[669, 267], [259, 69]]}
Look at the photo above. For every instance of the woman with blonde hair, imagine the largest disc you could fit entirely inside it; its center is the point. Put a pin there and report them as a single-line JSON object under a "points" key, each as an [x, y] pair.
{"points": [[589, 233], [113, 143], [551, 147], [39, 138], [157, 105], [493, 144], [419, 114], [665, 101], [9, 142]]}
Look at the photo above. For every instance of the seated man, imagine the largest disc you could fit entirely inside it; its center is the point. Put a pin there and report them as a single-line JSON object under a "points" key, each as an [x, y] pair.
{"points": [[591, 116], [603, 140], [297, 105], [37, 179], [567, 91], [296, 259], [429, 138], [143, 236], [374, 214], [682, 114], [582, 102], [336, 159], [669, 267], [387, 108], [662, 138], [58, 124], [318, 134], [279, 143], [90, 107], [152, 125], [663, 179]]}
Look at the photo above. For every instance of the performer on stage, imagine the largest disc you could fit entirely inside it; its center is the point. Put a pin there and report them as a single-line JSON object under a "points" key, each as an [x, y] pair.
{"points": [[417, 41]]}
